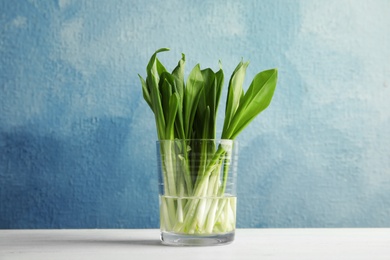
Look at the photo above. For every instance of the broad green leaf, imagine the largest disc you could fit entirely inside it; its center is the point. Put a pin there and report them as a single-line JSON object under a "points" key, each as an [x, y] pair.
{"points": [[210, 103], [261, 90], [208, 93], [158, 112], [152, 82], [160, 67], [255, 100], [192, 93], [206, 123], [179, 124], [234, 94], [178, 74], [152, 61], [219, 80], [219, 77], [173, 106], [166, 91], [154, 69], [145, 92]]}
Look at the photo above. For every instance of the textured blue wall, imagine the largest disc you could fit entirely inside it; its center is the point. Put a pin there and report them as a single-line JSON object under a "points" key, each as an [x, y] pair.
{"points": [[77, 140]]}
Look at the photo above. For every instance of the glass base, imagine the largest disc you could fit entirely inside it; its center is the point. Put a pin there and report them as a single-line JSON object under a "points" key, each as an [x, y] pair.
{"points": [[173, 239]]}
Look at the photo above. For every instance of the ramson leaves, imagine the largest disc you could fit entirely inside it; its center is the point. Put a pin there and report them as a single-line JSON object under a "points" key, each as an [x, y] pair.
{"points": [[188, 109], [255, 100]]}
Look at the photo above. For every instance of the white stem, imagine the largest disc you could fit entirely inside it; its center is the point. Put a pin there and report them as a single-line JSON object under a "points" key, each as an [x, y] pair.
{"points": [[212, 213], [170, 171], [179, 211]]}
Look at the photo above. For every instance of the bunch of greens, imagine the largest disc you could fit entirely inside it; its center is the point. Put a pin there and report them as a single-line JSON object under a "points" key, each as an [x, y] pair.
{"points": [[186, 111]]}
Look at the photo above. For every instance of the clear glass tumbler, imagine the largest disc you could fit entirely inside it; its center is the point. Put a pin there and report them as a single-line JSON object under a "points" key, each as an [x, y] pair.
{"points": [[197, 188]]}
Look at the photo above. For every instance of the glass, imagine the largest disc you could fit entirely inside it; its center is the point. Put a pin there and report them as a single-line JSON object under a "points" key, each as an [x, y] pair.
{"points": [[197, 188]]}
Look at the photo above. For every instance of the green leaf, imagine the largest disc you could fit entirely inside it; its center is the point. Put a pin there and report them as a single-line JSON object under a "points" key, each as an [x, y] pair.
{"points": [[257, 98], [166, 90], [152, 61], [160, 67], [145, 92], [206, 124], [152, 82], [234, 94], [208, 101], [219, 78], [173, 107], [207, 95], [192, 92], [178, 74]]}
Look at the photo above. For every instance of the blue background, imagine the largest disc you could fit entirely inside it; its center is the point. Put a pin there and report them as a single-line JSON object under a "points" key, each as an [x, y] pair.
{"points": [[77, 140]]}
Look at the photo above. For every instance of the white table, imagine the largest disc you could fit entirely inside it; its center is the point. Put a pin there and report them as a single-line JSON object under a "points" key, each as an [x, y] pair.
{"points": [[144, 244]]}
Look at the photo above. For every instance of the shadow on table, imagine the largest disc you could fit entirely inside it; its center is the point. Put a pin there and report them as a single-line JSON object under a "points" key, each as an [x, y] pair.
{"points": [[129, 242]]}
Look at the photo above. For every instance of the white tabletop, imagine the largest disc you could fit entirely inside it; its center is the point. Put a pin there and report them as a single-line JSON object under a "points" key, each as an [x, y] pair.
{"points": [[145, 244]]}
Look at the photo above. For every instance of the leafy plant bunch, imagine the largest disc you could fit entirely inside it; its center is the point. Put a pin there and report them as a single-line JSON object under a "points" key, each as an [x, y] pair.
{"points": [[186, 110]]}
